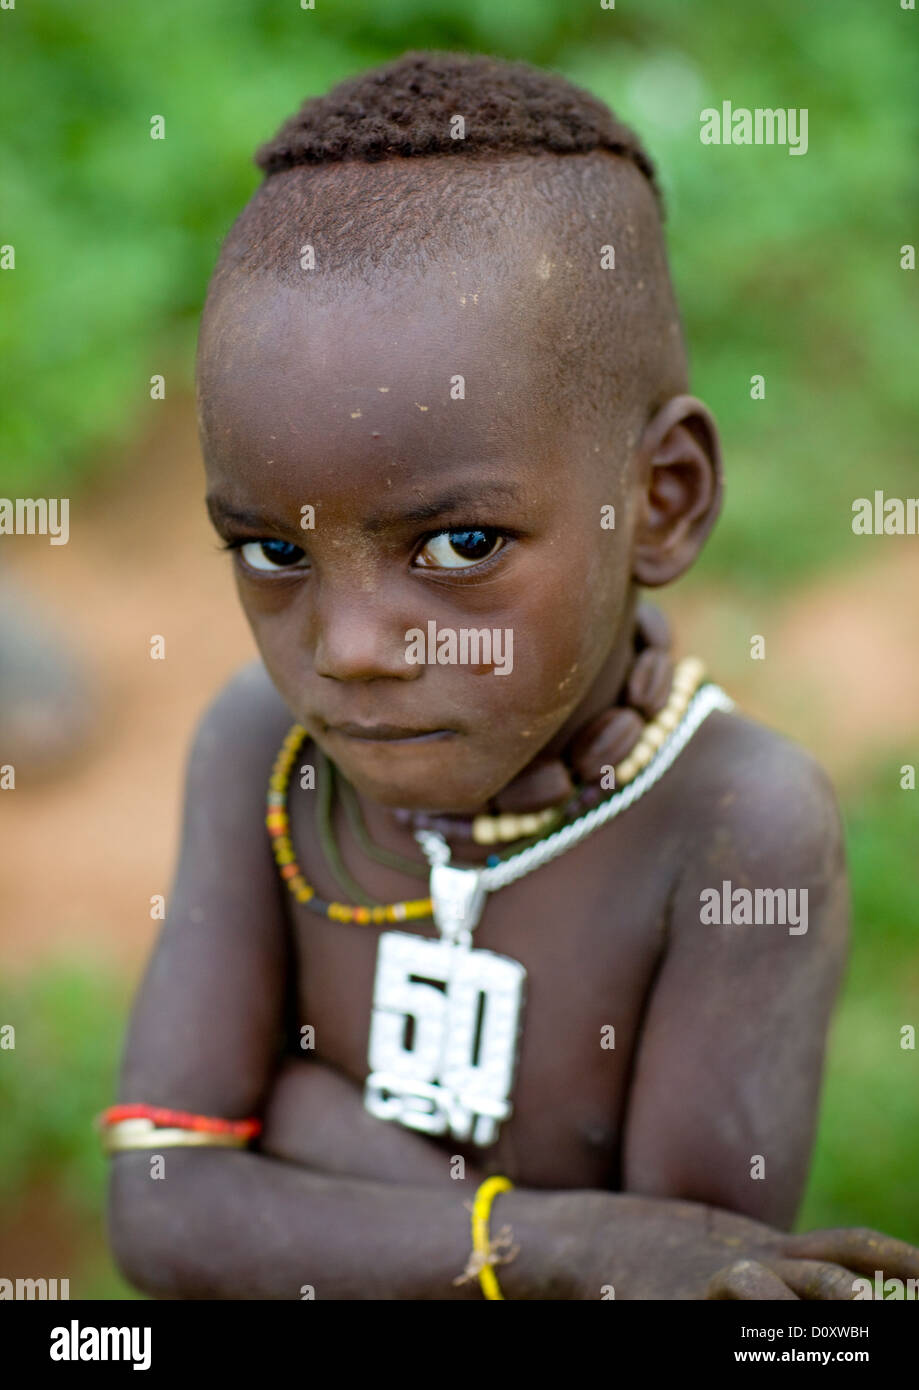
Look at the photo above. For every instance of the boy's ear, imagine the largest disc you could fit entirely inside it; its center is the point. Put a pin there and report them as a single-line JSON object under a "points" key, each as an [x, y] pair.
{"points": [[678, 463]]}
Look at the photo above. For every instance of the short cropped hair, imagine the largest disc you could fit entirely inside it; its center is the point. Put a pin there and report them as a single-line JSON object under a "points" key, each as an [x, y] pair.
{"points": [[407, 107], [371, 176]]}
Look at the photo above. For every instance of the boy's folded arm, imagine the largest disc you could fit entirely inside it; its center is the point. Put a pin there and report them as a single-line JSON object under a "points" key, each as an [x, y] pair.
{"points": [[316, 1117], [726, 1084], [229, 1224]]}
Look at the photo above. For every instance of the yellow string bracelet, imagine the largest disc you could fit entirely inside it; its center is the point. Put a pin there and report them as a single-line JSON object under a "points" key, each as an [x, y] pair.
{"points": [[486, 1252]]}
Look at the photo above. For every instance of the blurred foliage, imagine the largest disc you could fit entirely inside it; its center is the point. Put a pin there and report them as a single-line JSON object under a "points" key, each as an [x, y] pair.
{"points": [[786, 266], [70, 1021], [864, 1170], [69, 1025]]}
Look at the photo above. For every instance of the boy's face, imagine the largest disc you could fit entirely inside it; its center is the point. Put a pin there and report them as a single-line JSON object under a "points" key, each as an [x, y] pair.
{"points": [[473, 513]]}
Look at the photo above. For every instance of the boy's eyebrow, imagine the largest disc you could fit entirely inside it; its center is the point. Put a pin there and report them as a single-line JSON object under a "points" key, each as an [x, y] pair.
{"points": [[458, 496], [220, 511]]}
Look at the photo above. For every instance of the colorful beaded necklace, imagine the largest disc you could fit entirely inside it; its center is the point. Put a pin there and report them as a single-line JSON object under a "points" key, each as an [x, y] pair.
{"points": [[687, 678], [278, 823]]}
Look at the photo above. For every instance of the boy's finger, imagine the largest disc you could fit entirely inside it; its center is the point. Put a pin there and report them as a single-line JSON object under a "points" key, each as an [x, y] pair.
{"points": [[749, 1280], [857, 1248], [816, 1279]]}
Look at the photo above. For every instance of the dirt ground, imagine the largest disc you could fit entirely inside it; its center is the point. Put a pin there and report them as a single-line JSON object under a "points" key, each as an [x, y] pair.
{"points": [[84, 850]]}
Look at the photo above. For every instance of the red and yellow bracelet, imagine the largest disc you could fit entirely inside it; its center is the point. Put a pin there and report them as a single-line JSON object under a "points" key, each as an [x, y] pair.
{"points": [[136, 1126]]}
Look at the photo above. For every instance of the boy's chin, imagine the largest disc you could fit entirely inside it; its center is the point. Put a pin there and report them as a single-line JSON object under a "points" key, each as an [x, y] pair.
{"points": [[432, 789], [405, 796]]}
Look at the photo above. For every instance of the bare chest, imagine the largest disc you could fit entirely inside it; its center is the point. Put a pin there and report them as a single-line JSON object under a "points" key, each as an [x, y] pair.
{"points": [[585, 934]]}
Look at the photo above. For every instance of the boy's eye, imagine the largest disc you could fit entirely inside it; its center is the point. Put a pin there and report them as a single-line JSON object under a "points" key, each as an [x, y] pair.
{"points": [[460, 549], [271, 556]]}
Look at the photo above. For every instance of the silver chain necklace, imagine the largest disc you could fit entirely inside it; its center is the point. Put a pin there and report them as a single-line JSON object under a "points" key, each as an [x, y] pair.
{"points": [[465, 1004]]}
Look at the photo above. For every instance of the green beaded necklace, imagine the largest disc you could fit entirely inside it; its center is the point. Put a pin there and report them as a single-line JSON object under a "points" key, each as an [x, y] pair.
{"points": [[331, 782]]}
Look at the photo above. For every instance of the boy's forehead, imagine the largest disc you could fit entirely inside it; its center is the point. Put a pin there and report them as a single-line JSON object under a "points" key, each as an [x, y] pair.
{"points": [[459, 316], [452, 361]]}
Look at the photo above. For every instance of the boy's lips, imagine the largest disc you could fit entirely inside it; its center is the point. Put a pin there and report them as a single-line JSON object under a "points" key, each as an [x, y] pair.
{"points": [[386, 733]]}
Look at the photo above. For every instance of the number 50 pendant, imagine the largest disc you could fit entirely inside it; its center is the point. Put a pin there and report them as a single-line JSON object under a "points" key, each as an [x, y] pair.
{"points": [[443, 1036]]}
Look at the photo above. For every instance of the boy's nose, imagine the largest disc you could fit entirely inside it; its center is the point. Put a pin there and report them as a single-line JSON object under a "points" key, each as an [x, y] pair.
{"points": [[357, 638]]}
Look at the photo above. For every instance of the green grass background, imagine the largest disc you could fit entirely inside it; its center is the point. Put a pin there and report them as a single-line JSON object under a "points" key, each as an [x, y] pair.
{"points": [[788, 266]]}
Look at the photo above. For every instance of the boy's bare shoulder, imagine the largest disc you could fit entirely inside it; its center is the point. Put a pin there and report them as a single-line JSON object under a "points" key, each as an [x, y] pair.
{"points": [[247, 700], [237, 741], [760, 801]]}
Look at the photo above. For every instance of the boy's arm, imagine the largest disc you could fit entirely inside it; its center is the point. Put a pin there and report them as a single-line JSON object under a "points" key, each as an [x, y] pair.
{"points": [[726, 1086], [315, 1116]]}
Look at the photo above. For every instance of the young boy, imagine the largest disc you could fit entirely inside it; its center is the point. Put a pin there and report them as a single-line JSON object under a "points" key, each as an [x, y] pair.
{"points": [[444, 413]]}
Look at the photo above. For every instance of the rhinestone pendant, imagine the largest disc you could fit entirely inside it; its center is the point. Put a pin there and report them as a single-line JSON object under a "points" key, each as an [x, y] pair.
{"points": [[445, 1022], [458, 896]]}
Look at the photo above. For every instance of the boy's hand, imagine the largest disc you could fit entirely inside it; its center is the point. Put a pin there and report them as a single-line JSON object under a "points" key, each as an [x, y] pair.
{"points": [[819, 1265], [651, 1248]]}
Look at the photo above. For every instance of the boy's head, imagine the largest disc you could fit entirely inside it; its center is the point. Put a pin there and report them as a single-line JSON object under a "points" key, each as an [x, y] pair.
{"points": [[442, 388]]}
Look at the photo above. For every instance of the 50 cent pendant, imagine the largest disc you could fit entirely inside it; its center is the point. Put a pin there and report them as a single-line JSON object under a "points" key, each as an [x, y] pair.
{"points": [[446, 1019]]}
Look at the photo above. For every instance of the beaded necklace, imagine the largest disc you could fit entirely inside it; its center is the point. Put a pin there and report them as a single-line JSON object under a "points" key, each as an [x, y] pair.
{"points": [[278, 823], [686, 680]]}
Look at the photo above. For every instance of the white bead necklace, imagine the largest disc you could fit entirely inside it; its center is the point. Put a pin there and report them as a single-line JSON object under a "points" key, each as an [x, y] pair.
{"points": [[465, 1004]]}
